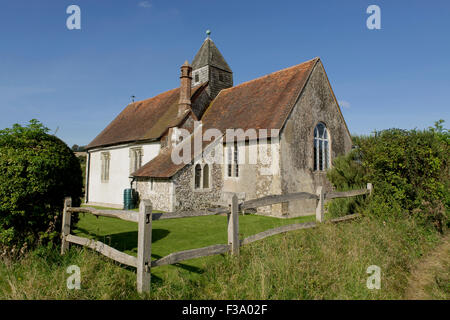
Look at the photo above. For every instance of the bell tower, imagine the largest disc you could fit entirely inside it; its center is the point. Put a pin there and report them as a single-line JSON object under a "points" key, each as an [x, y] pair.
{"points": [[209, 65]]}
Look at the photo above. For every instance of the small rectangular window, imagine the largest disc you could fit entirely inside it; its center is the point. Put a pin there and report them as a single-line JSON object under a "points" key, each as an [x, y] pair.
{"points": [[135, 159], [197, 176], [197, 78], [205, 176], [232, 160], [105, 158]]}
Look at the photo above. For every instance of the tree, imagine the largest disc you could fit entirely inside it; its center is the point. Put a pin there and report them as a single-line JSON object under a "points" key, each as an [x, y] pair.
{"points": [[37, 170]]}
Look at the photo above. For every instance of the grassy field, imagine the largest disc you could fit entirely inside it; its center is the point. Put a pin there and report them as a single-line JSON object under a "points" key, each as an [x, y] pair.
{"points": [[328, 262], [175, 235]]}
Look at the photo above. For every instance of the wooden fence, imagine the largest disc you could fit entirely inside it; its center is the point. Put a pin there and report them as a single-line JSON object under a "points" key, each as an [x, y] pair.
{"points": [[144, 218]]}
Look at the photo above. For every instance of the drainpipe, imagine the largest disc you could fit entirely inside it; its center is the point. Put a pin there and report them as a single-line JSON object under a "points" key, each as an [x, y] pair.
{"points": [[131, 183], [86, 189]]}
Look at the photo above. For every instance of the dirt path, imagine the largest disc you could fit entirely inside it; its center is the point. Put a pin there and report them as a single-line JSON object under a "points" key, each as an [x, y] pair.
{"points": [[430, 279]]}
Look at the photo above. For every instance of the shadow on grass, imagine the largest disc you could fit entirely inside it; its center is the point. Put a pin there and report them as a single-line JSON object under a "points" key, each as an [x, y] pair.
{"points": [[127, 241]]}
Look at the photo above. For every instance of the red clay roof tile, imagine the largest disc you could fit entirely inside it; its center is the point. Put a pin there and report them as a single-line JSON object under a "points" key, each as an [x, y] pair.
{"points": [[262, 103], [144, 120]]}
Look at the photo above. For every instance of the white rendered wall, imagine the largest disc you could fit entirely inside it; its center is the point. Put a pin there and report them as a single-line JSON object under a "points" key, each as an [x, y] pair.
{"points": [[111, 192]]}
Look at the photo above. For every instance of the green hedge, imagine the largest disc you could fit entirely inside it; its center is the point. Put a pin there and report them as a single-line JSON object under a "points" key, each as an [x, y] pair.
{"points": [[37, 170], [408, 168]]}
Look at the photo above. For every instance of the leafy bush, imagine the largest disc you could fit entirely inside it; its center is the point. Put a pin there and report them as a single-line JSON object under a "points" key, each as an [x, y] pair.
{"points": [[408, 168], [347, 174], [37, 171]]}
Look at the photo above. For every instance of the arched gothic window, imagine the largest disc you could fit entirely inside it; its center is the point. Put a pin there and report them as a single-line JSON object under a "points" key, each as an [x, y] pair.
{"points": [[202, 179], [321, 148]]}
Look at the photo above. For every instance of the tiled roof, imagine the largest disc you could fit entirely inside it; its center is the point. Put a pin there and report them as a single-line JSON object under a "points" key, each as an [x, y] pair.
{"points": [[161, 166], [262, 103], [144, 120], [209, 55]]}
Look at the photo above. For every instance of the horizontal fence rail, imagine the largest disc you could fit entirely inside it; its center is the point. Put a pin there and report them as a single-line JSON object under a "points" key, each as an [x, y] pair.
{"points": [[274, 231], [274, 199], [145, 216], [345, 218], [133, 215], [120, 214], [104, 249], [346, 194], [191, 254], [177, 215]]}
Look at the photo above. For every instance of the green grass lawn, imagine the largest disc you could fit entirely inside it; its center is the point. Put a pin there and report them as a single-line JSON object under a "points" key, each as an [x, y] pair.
{"points": [[327, 262], [175, 235]]}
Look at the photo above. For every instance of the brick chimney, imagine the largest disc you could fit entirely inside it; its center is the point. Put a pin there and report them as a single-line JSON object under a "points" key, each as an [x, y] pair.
{"points": [[185, 89]]}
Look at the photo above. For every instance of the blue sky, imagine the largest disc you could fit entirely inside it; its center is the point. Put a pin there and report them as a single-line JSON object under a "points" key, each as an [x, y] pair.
{"points": [[79, 80]]}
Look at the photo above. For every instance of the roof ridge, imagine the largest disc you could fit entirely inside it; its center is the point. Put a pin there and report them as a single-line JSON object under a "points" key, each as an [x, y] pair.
{"points": [[272, 73], [168, 91], [144, 100]]}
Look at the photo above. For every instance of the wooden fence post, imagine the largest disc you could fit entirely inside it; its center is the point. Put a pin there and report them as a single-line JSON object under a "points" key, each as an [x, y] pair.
{"points": [[65, 228], [144, 246], [370, 188], [319, 208], [233, 225]]}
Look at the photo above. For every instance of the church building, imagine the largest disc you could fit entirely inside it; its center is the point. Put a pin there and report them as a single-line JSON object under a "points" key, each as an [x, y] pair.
{"points": [[288, 128]]}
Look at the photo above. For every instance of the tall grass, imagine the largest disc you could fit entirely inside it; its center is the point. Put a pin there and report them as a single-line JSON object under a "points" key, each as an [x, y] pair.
{"points": [[328, 262]]}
